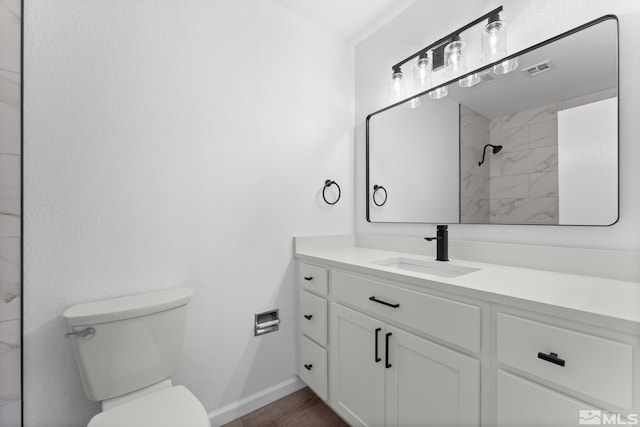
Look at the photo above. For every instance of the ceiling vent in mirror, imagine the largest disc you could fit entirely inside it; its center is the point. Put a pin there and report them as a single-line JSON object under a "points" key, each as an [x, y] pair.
{"points": [[540, 68]]}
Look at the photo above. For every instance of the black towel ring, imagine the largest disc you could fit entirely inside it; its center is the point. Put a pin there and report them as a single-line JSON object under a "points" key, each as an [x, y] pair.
{"points": [[375, 190], [328, 183]]}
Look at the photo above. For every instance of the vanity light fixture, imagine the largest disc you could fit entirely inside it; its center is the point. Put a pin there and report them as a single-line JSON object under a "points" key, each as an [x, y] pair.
{"points": [[422, 72], [454, 63], [439, 93], [494, 39], [414, 103], [421, 78], [506, 67], [397, 85], [398, 89], [470, 80], [447, 53], [494, 45]]}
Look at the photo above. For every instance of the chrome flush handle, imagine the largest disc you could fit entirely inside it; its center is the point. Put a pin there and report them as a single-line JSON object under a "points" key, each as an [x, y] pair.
{"points": [[84, 333]]}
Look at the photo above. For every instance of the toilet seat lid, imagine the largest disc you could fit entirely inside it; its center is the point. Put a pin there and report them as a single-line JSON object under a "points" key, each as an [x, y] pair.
{"points": [[169, 407]]}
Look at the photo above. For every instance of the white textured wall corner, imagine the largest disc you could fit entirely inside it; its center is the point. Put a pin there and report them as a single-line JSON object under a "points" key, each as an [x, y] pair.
{"points": [[529, 23], [176, 144]]}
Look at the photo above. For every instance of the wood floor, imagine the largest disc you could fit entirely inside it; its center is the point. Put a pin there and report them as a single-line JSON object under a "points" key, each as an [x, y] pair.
{"points": [[300, 409]]}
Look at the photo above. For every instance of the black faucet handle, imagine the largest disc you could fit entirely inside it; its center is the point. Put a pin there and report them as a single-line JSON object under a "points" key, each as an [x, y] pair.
{"points": [[442, 238]]}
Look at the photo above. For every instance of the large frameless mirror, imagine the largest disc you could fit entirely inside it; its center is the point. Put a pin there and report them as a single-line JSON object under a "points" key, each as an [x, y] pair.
{"points": [[538, 145]]}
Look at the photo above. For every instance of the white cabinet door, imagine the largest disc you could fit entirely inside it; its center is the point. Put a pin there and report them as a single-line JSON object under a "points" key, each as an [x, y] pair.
{"points": [[357, 367], [430, 385], [312, 366], [522, 403], [524, 344]]}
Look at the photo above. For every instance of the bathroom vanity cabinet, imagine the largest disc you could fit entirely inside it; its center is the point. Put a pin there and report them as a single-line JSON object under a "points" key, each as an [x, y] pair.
{"points": [[548, 371], [381, 375], [388, 348], [380, 366], [396, 365], [312, 327]]}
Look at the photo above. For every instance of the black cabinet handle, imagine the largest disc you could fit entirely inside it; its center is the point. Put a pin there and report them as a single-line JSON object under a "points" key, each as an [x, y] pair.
{"points": [[374, 299], [308, 278], [308, 367], [308, 316], [551, 357], [377, 359], [386, 351]]}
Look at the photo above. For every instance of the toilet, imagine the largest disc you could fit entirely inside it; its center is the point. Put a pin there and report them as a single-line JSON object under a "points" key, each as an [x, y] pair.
{"points": [[127, 349]]}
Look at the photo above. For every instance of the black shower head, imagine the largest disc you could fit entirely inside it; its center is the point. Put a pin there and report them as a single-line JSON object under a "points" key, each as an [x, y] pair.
{"points": [[494, 148]]}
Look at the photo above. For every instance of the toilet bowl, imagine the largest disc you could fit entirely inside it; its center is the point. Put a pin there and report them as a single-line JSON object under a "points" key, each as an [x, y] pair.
{"points": [[127, 349], [171, 407]]}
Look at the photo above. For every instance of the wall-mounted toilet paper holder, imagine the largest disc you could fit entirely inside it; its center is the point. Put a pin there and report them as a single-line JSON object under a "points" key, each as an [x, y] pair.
{"points": [[266, 322]]}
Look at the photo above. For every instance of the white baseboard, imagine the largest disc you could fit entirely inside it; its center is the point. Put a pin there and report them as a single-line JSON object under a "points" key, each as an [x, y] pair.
{"points": [[242, 407]]}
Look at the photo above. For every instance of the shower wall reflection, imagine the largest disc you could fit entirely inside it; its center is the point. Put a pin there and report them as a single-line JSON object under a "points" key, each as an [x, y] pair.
{"points": [[518, 185], [474, 179]]}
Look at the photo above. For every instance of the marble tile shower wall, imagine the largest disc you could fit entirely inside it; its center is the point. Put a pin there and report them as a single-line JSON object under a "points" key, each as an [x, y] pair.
{"points": [[10, 182], [524, 175], [474, 180], [518, 185]]}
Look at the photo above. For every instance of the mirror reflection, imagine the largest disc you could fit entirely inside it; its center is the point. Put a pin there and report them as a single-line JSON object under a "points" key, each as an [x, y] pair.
{"points": [[536, 146]]}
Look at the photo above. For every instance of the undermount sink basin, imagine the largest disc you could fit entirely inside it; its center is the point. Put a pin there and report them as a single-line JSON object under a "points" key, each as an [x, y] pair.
{"points": [[432, 268]]}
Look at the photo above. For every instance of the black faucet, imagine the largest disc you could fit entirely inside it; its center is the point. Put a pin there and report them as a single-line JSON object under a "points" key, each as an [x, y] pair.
{"points": [[442, 239]]}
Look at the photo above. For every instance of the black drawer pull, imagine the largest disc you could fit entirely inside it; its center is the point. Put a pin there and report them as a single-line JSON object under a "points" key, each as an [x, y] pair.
{"points": [[377, 359], [308, 316], [308, 278], [386, 351], [551, 357], [374, 299], [308, 367]]}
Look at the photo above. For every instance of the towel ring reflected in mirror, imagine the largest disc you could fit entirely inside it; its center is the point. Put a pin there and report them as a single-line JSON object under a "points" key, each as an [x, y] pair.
{"points": [[375, 190]]}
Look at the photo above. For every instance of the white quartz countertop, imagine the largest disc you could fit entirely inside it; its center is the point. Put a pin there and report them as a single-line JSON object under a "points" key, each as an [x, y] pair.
{"points": [[615, 299]]}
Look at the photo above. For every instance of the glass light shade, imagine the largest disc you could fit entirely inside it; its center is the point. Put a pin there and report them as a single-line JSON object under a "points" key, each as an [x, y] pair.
{"points": [[506, 66], [414, 103], [453, 60], [494, 41], [422, 73], [469, 81], [397, 86], [439, 93]]}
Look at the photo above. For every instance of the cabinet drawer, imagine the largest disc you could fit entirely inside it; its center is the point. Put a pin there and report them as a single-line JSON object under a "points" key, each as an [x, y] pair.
{"points": [[312, 366], [313, 278], [523, 403], [594, 366], [452, 321], [313, 317]]}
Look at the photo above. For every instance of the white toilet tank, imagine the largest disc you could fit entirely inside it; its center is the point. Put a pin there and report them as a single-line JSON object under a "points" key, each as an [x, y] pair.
{"points": [[137, 340]]}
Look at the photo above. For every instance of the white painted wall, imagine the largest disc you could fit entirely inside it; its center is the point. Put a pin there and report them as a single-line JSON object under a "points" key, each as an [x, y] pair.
{"points": [[528, 23], [172, 143]]}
